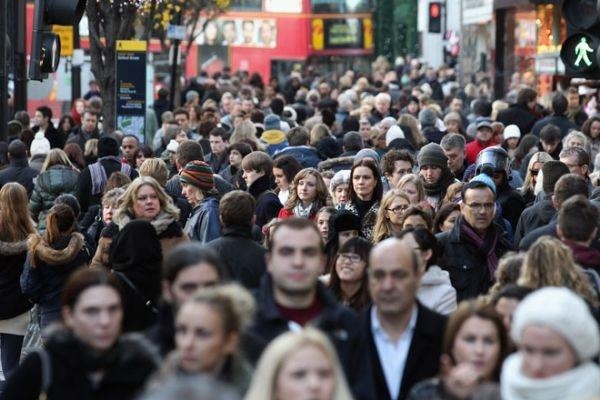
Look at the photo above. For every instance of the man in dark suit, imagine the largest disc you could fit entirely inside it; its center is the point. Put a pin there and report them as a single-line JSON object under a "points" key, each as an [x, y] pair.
{"points": [[404, 337]]}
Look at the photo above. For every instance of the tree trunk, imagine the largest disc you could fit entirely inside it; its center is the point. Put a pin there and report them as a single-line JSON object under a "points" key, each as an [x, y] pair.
{"points": [[112, 21]]}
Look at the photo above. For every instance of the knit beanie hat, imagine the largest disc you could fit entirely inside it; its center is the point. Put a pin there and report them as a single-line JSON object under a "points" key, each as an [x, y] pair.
{"points": [[272, 121], [432, 154], [427, 117], [551, 172], [199, 174], [346, 221], [511, 131], [173, 146], [39, 145], [395, 132], [367, 153], [564, 312], [485, 179]]}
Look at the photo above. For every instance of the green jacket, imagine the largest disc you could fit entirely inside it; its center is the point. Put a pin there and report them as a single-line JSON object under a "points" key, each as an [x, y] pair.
{"points": [[50, 184]]}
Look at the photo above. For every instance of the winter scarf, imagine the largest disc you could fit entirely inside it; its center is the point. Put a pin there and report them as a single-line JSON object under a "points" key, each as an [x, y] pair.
{"points": [[580, 382], [439, 188], [43, 251], [486, 244], [160, 223]]}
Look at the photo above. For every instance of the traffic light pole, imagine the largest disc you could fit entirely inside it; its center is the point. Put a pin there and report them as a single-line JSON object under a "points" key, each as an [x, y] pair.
{"points": [[3, 70]]}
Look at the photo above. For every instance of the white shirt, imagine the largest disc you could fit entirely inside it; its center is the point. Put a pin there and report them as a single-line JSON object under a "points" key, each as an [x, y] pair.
{"points": [[392, 356]]}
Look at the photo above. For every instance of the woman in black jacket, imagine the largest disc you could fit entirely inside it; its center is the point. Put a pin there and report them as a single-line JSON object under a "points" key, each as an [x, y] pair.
{"points": [[15, 226], [51, 260], [86, 358]]}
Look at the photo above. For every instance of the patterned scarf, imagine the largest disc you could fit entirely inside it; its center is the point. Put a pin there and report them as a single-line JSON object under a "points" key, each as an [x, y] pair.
{"points": [[486, 244]]}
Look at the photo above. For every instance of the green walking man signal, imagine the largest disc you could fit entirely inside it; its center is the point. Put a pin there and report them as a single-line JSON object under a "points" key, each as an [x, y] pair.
{"points": [[581, 51]]}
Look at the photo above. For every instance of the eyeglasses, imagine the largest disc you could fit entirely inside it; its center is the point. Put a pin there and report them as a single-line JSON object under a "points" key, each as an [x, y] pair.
{"points": [[534, 172], [353, 258], [398, 209], [479, 206]]}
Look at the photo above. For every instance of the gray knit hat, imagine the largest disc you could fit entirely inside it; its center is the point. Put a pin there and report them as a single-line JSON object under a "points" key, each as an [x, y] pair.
{"points": [[432, 154]]}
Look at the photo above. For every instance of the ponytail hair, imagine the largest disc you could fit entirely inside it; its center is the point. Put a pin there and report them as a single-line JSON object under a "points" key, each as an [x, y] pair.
{"points": [[60, 221]]}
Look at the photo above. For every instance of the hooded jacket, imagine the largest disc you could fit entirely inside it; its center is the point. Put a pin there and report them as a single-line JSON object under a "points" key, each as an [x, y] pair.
{"points": [[48, 268], [50, 184], [274, 141], [436, 291]]}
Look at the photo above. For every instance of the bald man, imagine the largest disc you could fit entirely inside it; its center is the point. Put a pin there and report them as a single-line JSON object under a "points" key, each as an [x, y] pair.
{"points": [[403, 336]]}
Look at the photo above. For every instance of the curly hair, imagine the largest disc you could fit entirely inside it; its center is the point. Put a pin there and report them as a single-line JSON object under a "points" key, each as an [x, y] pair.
{"points": [[550, 263]]}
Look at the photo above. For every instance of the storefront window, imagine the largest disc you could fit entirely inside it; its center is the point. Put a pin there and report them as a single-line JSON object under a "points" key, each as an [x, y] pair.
{"points": [[341, 6]]}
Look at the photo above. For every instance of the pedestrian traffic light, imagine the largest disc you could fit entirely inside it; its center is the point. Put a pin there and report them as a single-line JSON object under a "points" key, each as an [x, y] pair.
{"points": [[45, 46], [580, 52], [435, 17]]}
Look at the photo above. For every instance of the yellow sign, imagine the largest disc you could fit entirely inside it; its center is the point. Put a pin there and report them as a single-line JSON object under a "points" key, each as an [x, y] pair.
{"points": [[318, 34], [368, 33], [131, 45], [65, 33]]}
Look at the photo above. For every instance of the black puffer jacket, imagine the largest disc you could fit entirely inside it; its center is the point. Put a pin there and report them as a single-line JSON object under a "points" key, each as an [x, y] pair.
{"points": [[12, 258], [466, 263], [126, 367]]}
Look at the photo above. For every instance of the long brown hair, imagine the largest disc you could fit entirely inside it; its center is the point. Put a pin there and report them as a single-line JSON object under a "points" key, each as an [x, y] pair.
{"points": [[60, 221], [320, 196], [15, 221], [480, 309]]}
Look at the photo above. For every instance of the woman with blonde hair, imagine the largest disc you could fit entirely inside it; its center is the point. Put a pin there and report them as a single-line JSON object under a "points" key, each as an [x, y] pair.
{"points": [[318, 132], [412, 186], [308, 193], [222, 313], [143, 199], [534, 167], [390, 215], [57, 176], [15, 226], [550, 263], [301, 364], [245, 130]]}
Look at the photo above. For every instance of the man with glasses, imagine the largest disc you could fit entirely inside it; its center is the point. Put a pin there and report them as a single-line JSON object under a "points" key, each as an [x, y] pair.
{"points": [[404, 338], [578, 161], [470, 250]]}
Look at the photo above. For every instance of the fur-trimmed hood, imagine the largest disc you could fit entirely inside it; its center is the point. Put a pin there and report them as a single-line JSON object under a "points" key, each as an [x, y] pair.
{"points": [[13, 248], [63, 251], [336, 164]]}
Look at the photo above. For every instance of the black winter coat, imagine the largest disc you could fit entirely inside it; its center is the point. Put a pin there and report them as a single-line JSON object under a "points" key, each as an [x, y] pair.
{"points": [[519, 115], [126, 368], [12, 258], [466, 263], [242, 256], [337, 321], [267, 202], [533, 217], [19, 171]]}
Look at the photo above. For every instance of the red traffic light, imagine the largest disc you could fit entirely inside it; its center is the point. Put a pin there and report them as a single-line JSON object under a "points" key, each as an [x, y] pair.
{"points": [[434, 10]]}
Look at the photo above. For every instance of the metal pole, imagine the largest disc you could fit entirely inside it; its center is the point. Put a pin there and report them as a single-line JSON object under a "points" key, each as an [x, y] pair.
{"points": [[75, 69], [19, 55], [174, 66], [3, 70]]}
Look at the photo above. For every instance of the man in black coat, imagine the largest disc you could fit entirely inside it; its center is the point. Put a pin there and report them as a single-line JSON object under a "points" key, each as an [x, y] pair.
{"points": [[18, 170], [88, 130], [291, 296], [403, 337], [470, 251], [92, 179], [558, 118], [521, 113], [243, 257], [43, 123]]}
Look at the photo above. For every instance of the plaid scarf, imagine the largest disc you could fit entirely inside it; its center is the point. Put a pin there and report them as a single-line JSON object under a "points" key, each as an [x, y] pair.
{"points": [[486, 244]]}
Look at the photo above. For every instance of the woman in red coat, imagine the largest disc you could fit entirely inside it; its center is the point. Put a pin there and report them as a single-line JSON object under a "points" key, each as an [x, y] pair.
{"points": [[308, 193]]}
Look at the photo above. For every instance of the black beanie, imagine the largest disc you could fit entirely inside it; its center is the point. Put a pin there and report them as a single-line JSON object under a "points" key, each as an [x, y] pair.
{"points": [[551, 172], [107, 146], [346, 221]]}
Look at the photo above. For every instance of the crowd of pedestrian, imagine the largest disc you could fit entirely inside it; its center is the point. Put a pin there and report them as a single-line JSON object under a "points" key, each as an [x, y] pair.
{"points": [[391, 236]]}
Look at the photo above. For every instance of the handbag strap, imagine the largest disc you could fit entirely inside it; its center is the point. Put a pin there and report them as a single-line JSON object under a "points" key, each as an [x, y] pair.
{"points": [[147, 302]]}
